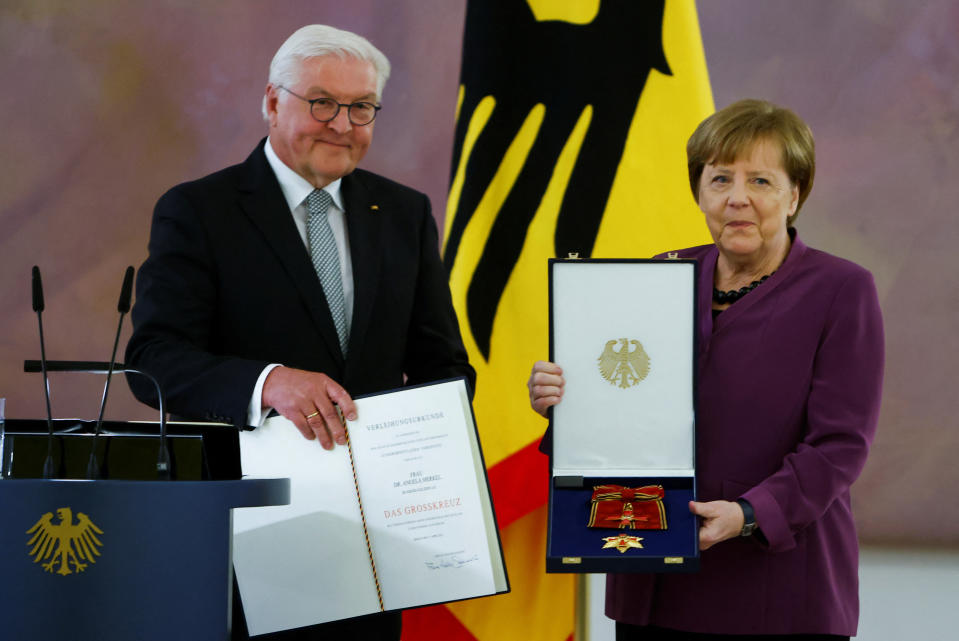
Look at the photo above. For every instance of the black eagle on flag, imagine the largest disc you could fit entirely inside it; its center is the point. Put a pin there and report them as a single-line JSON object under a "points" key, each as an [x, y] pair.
{"points": [[522, 62]]}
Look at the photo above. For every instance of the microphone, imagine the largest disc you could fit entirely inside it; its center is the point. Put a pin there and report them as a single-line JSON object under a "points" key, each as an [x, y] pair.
{"points": [[38, 308], [123, 306], [99, 367]]}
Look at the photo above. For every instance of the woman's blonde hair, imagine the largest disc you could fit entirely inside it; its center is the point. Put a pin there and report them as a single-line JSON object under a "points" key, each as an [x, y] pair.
{"points": [[732, 132]]}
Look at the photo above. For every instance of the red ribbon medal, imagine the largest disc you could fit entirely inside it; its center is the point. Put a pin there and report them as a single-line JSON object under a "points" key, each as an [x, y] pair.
{"points": [[627, 508]]}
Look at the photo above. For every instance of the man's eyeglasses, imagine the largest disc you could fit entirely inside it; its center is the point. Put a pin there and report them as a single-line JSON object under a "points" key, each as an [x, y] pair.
{"points": [[326, 109]]}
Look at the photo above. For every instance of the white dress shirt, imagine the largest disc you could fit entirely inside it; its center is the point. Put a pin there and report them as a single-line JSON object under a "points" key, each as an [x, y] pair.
{"points": [[295, 190]]}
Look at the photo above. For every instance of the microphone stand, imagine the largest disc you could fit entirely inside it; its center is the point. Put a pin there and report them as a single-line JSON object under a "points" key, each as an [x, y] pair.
{"points": [[123, 306], [48, 472]]}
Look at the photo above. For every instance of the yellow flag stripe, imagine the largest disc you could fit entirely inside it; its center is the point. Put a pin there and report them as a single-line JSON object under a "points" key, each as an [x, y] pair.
{"points": [[477, 230], [478, 122]]}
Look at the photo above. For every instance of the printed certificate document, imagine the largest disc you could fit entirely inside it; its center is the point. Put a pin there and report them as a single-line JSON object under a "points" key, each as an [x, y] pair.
{"points": [[399, 518]]}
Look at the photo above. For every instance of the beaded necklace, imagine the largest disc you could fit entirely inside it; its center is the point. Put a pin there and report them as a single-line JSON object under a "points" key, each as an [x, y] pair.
{"points": [[733, 295]]}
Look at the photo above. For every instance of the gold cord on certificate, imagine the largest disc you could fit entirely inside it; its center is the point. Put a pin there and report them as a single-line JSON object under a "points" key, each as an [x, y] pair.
{"points": [[366, 534]]}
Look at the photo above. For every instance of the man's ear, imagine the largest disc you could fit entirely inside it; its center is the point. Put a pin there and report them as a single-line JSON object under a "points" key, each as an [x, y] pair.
{"points": [[272, 97]]}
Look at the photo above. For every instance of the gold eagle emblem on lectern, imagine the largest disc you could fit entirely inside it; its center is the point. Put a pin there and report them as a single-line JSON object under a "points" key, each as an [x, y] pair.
{"points": [[67, 542], [626, 367]]}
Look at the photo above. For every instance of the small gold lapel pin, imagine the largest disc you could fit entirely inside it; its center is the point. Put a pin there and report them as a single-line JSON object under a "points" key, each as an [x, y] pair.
{"points": [[374, 207]]}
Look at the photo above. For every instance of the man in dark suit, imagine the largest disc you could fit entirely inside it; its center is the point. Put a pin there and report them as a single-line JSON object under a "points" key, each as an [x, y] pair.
{"points": [[294, 280]]}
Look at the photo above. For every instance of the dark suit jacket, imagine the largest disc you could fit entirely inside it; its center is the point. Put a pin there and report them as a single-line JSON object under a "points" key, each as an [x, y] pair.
{"points": [[789, 384], [228, 288]]}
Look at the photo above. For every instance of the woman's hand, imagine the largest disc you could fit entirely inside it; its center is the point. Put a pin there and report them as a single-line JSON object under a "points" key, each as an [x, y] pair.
{"points": [[721, 520], [545, 386]]}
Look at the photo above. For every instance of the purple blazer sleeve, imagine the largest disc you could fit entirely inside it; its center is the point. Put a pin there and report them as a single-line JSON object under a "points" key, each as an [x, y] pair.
{"points": [[842, 411]]}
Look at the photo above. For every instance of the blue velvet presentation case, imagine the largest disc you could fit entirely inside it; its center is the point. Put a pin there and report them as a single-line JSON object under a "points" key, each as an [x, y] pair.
{"points": [[623, 330]]}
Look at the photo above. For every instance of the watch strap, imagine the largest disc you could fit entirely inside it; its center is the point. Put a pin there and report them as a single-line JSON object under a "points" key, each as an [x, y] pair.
{"points": [[749, 518]]}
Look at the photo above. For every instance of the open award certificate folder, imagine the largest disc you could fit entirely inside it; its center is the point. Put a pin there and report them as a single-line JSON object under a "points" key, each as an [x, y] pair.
{"points": [[399, 518], [623, 459]]}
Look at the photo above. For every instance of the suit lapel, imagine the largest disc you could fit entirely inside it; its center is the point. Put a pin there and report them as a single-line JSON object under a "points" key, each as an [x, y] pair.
{"points": [[363, 225], [796, 250], [263, 203]]}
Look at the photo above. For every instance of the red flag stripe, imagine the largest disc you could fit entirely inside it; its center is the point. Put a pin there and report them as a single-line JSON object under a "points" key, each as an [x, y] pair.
{"points": [[436, 622], [519, 484]]}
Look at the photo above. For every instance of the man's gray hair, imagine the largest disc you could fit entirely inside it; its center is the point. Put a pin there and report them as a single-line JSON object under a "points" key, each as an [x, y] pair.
{"points": [[315, 40]]}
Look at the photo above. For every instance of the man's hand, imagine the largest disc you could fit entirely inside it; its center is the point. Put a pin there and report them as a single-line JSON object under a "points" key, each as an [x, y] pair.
{"points": [[309, 399], [721, 520], [545, 386]]}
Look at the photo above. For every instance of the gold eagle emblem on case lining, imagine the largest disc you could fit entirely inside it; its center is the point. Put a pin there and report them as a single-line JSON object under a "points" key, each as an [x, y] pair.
{"points": [[626, 367], [67, 542]]}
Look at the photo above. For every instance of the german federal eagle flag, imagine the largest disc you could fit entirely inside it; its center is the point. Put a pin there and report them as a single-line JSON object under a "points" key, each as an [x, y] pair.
{"points": [[572, 121]]}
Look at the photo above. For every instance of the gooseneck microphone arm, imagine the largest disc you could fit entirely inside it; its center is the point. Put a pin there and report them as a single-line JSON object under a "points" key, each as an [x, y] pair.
{"points": [[38, 308], [123, 306], [163, 456], [99, 367]]}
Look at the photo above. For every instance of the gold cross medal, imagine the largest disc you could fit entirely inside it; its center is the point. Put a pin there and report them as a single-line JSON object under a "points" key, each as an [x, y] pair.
{"points": [[623, 542]]}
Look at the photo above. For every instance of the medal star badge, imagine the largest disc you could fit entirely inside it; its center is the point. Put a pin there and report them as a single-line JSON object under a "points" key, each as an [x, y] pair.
{"points": [[623, 542], [625, 367]]}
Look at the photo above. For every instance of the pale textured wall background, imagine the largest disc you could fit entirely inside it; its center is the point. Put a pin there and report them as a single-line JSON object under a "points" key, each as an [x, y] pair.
{"points": [[878, 82], [108, 103]]}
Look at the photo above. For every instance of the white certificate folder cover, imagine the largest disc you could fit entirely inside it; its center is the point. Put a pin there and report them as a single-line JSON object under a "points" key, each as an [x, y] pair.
{"points": [[400, 518], [624, 333]]}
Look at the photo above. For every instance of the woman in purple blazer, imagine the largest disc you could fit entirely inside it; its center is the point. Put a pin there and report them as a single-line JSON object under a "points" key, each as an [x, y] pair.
{"points": [[789, 381]]}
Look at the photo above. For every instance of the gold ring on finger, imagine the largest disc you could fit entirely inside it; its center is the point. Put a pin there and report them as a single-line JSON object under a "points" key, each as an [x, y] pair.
{"points": [[316, 413]]}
